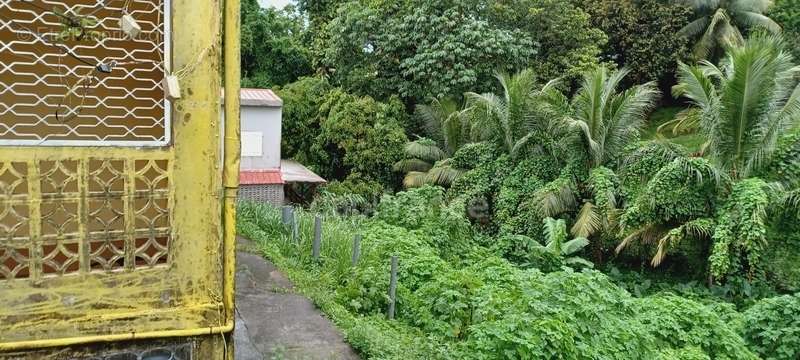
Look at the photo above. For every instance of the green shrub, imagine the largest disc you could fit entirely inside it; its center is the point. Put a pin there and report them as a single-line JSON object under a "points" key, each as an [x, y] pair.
{"points": [[358, 135], [772, 327], [515, 210], [526, 253], [481, 306], [687, 353], [678, 322], [300, 123], [472, 155]]}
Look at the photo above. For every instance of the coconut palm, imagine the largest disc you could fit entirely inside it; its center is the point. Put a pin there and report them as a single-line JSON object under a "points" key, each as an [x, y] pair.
{"points": [[720, 23], [513, 120], [606, 120], [743, 106], [426, 163], [445, 123], [426, 159]]}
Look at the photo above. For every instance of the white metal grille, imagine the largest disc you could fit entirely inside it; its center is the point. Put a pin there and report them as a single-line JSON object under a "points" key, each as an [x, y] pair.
{"points": [[53, 87]]}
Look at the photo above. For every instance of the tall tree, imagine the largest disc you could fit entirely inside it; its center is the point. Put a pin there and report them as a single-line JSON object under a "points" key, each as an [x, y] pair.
{"points": [[273, 46], [418, 49], [721, 23], [641, 36], [566, 42]]}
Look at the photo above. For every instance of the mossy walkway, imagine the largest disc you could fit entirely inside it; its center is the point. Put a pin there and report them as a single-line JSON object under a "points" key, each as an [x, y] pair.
{"points": [[272, 322]]}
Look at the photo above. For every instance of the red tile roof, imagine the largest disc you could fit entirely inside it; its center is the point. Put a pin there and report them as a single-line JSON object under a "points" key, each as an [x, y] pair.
{"points": [[260, 177]]}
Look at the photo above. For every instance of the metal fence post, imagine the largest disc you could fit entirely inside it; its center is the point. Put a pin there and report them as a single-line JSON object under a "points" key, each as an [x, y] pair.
{"points": [[356, 249], [392, 289], [287, 215], [315, 247]]}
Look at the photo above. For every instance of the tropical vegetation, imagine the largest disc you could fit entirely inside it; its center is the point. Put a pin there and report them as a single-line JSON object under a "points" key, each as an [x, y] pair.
{"points": [[560, 179]]}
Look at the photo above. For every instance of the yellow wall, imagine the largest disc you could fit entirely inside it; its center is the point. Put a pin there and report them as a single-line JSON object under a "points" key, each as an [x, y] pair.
{"points": [[189, 294]]}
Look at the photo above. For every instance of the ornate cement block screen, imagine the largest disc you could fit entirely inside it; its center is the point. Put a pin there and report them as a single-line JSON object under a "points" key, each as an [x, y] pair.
{"points": [[88, 215], [110, 213], [67, 83]]}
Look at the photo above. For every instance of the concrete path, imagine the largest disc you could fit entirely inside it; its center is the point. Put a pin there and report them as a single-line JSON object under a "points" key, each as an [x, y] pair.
{"points": [[274, 323]]}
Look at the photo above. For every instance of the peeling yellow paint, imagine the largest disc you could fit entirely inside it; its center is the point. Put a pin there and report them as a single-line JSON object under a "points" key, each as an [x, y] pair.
{"points": [[191, 294]]}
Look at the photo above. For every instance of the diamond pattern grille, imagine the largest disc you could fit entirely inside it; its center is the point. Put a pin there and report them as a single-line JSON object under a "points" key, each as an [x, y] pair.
{"points": [[48, 97]]}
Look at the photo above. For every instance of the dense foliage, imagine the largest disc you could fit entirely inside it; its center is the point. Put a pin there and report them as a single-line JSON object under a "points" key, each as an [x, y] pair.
{"points": [[419, 49], [552, 209], [479, 306], [787, 14], [641, 36], [273, 46], [343, 137]]}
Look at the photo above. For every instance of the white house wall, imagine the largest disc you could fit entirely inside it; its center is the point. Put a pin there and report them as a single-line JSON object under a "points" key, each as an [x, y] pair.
{"points": [[267, 122]]}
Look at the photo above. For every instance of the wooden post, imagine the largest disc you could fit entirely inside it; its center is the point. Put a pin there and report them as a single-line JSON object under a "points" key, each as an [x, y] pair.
{"points": [[392, 289], [315, 247], [356, 249]]}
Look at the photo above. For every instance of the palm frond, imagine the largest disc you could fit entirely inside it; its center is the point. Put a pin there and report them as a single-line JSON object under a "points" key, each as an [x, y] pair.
{"points": [[686, 121], [408, 165], [695, 84], [790, 201], [700, 228], [695, 28], [753, 19], [443, 175], [717, 33], [698, 174], [701, 5], [626, 119], [414, 179], [729, 35], [757, 6], [647, 234], [434, 115], [556, 198], [588, 221], [424, 149]]}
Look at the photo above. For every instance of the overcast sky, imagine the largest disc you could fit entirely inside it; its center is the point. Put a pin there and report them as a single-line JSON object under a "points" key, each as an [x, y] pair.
{"points": [[275, 3]]}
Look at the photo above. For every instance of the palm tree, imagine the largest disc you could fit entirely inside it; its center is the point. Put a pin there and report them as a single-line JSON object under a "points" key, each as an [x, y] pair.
{"points": [[606, 120], [514, 120], [743, 106], [426, 159], [426, 163], [720, 23], [445, 122]]}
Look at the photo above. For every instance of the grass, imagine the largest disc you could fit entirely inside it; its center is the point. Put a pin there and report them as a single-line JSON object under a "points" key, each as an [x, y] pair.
{"points": [[372, 336], [692, 141]]}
